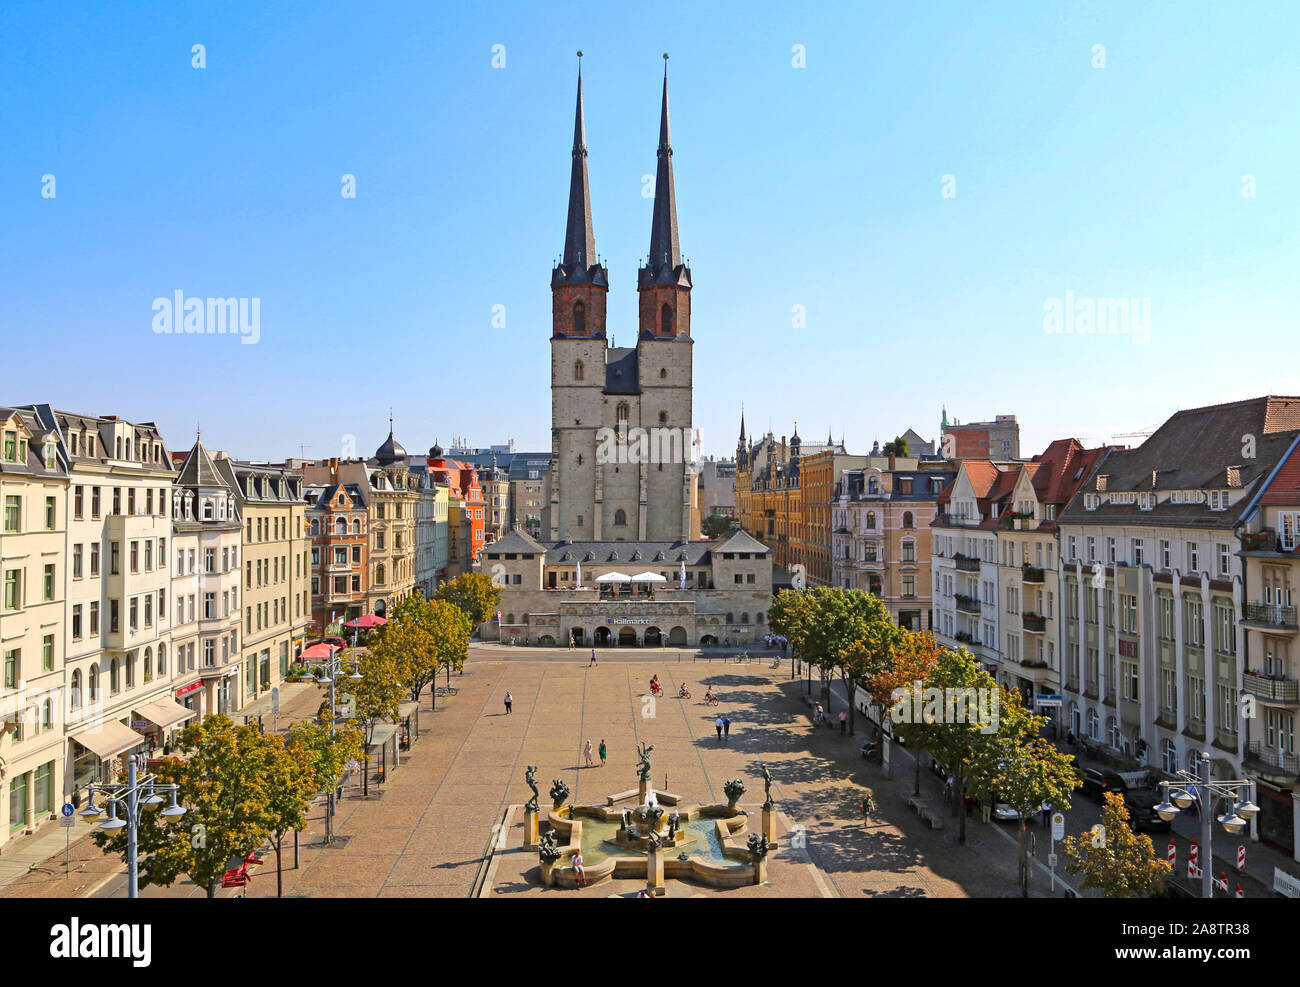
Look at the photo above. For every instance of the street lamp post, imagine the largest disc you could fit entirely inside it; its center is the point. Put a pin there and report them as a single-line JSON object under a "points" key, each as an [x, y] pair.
{"points": [[332, 668], [1199, 790], [133, 796]]}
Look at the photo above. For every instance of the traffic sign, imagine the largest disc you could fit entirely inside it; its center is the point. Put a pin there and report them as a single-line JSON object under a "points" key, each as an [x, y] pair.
{"points": [[1058, 825], [1051, 860], [67, 822], [68, 809], [275, 700], [1047, 702]]}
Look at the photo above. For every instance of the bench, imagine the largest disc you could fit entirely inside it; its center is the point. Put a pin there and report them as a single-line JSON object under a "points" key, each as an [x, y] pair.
{"points": [[922, 807]]}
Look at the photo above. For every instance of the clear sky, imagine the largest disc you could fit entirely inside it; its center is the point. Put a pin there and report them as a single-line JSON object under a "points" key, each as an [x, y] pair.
{"points": [[821, 186]]}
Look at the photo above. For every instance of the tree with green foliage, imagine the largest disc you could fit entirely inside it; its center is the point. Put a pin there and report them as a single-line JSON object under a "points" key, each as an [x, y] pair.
{"points": [[1122, 863], [475, 594], [896, 448], [716, 525], [327, 753], [422, 637], [221, 782], [291, 784], [789, 616], [954, 727], [377, 696], [1025, 771]]}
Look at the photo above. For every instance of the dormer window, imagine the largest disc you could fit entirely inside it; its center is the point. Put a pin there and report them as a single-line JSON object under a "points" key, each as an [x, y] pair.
{"points": [[207, 509], [1090, 501], [49, 454], [189, 506]]}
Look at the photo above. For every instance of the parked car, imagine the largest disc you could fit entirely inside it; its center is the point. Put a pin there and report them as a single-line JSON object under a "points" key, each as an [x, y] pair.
{"points": [[1004, 813], [1142, 815], [1096, 783]]}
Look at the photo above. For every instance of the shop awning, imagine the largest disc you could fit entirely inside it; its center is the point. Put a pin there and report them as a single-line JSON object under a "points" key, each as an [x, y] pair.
{"points": [[164, 713], [108, 739]]}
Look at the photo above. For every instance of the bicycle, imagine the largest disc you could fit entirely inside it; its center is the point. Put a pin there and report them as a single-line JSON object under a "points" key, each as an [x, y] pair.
{"points": [[776, 663], [683, 693], [710, 700]]}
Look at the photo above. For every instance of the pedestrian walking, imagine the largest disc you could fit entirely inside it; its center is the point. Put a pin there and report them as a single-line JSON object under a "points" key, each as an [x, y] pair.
{"points": [[509, 702], [603, 752], [717, 725], [726, 727], [586, 753], [970, 807], [844, 722], [593, 658]]}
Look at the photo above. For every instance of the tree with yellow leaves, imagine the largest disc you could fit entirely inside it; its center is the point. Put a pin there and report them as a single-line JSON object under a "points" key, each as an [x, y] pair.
{"points": [[1122, 863]]}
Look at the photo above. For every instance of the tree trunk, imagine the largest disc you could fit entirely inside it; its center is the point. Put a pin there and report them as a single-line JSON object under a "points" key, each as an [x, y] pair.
{"points": [[916, 763], [1024, 858], [433, 695], [279, 874], [849, 691], [212, 890], [957, 800]]}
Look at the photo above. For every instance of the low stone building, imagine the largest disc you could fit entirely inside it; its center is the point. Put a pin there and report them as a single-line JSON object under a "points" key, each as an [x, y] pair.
{"points": [[679, 593]]}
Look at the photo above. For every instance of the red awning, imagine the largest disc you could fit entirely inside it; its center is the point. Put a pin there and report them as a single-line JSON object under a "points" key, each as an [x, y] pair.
{"points": [[317, 651], [367, 622]]}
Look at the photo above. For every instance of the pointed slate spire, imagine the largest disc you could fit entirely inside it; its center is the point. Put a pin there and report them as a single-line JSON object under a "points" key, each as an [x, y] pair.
{"points": [[742, 424], [579, 236], [665, 249]]}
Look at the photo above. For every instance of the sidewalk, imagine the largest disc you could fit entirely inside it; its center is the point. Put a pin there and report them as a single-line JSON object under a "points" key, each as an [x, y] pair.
{"points": [[34, 866]]}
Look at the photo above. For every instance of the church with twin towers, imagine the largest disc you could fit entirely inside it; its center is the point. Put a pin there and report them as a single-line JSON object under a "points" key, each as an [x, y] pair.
{"points": [[621, 415]]}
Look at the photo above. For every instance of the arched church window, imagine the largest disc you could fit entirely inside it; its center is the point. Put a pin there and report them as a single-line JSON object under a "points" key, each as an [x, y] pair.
{"points": [[579, 318], [577, 370], [620, 517], [663, 372], [666, 320], [623, 410]]}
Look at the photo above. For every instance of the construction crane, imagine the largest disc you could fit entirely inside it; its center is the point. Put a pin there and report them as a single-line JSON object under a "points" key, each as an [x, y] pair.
{"points": [[1133, 435]]}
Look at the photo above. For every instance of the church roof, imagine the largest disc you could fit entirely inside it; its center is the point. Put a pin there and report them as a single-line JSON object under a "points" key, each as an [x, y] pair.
{"points": [[621, 371]]}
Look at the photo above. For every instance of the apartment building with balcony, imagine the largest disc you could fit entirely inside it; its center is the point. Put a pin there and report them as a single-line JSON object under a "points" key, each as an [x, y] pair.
{"points": [[275, 546], [337, 517], [1155, 591], [1028, 570], [1270, 558], [118, 664], [205, 587], [964, 567], [881, 535], [33, 618]]}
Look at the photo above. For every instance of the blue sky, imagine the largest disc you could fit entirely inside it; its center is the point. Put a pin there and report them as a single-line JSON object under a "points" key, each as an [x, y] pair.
{"points": [[818, 187]]}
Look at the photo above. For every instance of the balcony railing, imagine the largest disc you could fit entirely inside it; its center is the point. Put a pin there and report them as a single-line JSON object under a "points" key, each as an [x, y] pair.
{"points": [[1269, 613], [1035, 623], [1032, 574], [966, 563], [1282, 690], [1279, 762], [967, 604]]}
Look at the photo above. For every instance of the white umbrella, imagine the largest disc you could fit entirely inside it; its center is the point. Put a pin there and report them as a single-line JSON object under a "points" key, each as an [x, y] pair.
{"points": [[683, 574], [648, 577], [614, 577], [579, 575]]}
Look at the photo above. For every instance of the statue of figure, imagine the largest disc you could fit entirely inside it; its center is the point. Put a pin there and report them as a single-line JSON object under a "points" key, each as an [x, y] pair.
{"points": [[673, 821], [767, 789], [627, 819], [547, 850], [653, 815], [653, 842], [644, 749], [530, 776], [758, 845]]}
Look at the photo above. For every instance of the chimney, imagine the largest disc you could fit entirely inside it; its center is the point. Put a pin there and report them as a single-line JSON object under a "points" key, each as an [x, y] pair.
{"points": [[891, 462]]}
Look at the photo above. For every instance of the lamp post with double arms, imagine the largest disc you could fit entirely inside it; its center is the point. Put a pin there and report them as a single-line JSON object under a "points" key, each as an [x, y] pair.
{"points": [[136, 794], [1238, 806], [331, 669]]}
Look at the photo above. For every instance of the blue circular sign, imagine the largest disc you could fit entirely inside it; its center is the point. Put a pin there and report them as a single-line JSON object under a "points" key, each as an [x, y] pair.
{"points": [[67, 808]]}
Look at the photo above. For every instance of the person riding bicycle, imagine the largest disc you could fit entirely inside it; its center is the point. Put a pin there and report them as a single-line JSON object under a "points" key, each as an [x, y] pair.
{"points": [[683, 692], [654, 684], [710, 696]]}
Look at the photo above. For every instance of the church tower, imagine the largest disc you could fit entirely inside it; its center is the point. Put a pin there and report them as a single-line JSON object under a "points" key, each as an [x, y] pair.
{"points": [[579, 288], [641, 488], [665, 351]]}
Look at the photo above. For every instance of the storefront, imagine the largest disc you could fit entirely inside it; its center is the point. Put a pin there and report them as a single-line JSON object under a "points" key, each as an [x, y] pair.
{"points": [[160, 721], [191, 697], [1276, 819], [94, 751]]}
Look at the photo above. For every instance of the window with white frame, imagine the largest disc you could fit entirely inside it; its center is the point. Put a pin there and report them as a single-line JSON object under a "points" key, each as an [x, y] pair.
{"points": [[1225, 559], [1138, 557], [1165, 557]]}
